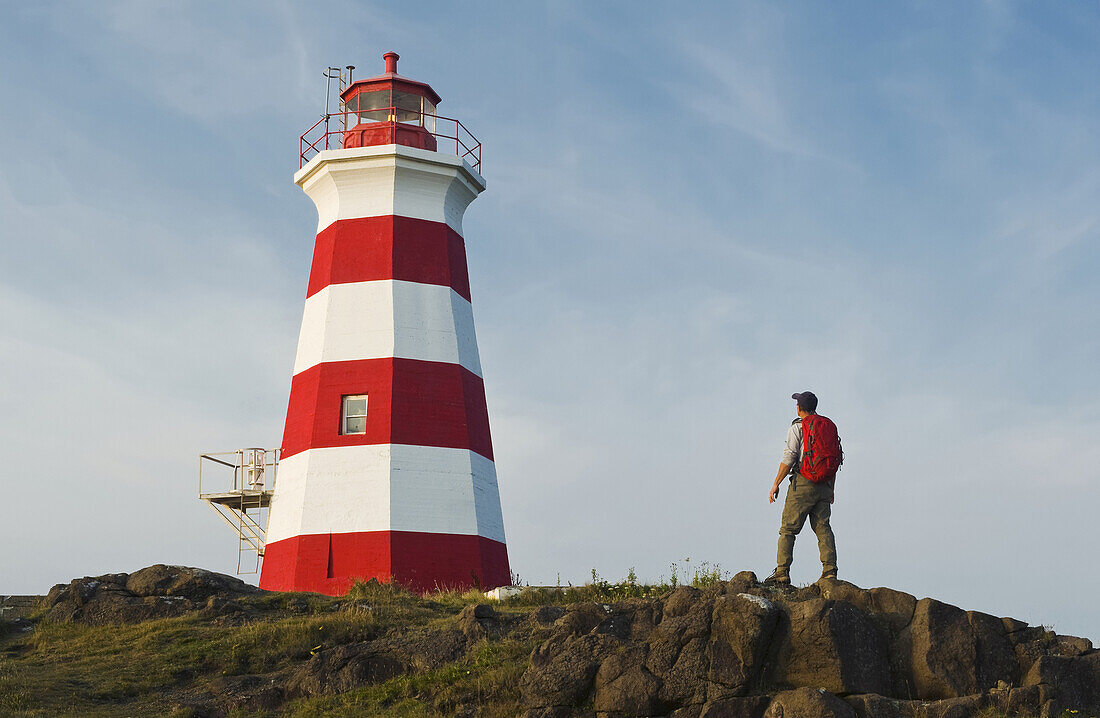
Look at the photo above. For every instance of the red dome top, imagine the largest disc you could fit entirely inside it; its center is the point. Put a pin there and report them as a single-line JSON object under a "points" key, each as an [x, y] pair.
{"points": [[390, 109], [390, 80]]}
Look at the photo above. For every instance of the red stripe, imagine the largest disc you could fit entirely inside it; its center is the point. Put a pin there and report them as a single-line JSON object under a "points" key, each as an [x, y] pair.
{"points": [[330, 563], [422, 403], [373, 248]]}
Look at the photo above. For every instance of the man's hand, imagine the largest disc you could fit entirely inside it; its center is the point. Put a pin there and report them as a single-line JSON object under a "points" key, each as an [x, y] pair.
{"points": [[779, 476]]}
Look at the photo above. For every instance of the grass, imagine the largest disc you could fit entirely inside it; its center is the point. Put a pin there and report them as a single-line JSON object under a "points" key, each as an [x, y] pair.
{"points": [[600, 590], [70, 668], [488, 678], [152, 668]]}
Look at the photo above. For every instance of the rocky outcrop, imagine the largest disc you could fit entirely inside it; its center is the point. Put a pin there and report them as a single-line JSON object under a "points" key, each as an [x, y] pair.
{"points": [[806, 702], [957, 653], [832, 645], [741, 649], [736, 649], [155, 592], [650, 657]]}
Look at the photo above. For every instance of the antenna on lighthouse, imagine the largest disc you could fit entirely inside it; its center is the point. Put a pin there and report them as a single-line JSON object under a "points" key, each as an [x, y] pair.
{"points": [[343, 80], [330, 73]]}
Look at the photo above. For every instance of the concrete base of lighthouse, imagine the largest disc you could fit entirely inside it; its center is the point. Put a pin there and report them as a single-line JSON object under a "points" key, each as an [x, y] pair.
{"points": [[331, 563]]}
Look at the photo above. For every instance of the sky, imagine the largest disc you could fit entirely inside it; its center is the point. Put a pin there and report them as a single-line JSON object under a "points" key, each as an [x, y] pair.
{"points": [[692, 211]]}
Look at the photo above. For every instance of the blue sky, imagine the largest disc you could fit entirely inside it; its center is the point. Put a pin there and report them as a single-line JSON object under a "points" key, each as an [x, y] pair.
{"points": [[692, 212]]}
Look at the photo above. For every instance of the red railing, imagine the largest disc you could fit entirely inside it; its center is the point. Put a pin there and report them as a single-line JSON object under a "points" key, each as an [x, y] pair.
{"points": [[328, 132]]}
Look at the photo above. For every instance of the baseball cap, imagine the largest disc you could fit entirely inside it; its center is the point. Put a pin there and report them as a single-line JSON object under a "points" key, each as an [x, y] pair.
{"points": [[807, 400]]}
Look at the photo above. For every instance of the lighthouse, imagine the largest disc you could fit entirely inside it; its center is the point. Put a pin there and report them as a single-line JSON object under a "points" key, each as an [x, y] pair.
{"points": [[386, 466]]}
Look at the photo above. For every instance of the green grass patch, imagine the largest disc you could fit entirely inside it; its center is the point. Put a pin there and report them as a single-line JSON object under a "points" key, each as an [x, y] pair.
{"points": [[487, 680]]}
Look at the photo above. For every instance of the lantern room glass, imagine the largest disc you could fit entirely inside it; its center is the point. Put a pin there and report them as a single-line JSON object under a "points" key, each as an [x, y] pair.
{"points": [[371, 106], [386, 106]]}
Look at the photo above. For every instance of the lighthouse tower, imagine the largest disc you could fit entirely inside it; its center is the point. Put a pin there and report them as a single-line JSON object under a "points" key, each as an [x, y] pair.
{"points": [[387, 465]]}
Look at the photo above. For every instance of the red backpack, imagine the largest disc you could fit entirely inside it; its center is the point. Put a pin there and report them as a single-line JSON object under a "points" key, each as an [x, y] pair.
{"points": [[821, 453]]}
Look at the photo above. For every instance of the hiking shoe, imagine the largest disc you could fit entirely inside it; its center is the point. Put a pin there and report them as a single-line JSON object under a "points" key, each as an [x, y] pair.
{"points": [[779, 579]]}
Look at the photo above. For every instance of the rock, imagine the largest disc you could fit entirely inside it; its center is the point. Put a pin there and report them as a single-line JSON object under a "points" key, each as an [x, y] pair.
{"points": [[625, 686], [98, 603], [153, 592], [477, 622], [562, 671], [680, 600], [894, 608], [339, 669], [832, 645], [872, 705], [710, 649], [1027, 700], [579, 620], [996, 657], [893, 611], [808, 703], [835, 589], [546, 615], [1074, 681], [678, 654], [961, 707], [195, 584], [427, 650], [222, 606], [632, 620], [1027, 654], [746, 707], [1033, 643], [1072, 646], [557, 712], [955, 653], [741, 629], [742, 582], [251, 694]]}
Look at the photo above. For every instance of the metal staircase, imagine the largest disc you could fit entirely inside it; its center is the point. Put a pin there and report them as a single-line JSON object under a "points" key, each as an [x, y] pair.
{"points": [[244, 498]]}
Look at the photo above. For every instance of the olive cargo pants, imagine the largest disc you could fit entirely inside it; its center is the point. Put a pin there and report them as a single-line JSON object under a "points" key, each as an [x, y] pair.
{"points": [[807, 499]]}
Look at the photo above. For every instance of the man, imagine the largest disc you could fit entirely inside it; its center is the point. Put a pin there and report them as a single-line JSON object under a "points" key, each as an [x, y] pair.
{"points": [[805, 498]]}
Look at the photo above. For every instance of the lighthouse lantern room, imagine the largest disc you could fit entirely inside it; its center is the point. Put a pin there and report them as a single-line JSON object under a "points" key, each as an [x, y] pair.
{"points": [[390, 109], [386, 466]]}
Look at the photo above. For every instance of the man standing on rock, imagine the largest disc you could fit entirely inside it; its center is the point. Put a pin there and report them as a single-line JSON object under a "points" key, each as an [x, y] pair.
{"points": [[811, 458]]}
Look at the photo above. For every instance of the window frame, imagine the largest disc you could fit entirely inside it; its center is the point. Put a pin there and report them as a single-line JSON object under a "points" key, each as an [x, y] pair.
{"points": [[344, 415]]}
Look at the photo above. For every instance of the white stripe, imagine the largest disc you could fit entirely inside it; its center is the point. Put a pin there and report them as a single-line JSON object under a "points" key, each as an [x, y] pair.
{"points": [[387, 318], [389, 180], [386, 487]]}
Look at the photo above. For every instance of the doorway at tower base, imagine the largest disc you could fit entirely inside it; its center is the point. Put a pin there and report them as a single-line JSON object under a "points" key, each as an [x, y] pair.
{"points": [[331, 563]]}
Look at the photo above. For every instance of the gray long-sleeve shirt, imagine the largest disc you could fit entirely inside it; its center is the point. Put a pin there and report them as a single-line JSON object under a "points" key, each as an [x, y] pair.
{"points": [[792, 452]]}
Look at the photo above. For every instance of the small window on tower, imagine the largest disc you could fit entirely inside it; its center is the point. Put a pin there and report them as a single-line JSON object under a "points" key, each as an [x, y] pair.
{"points": [[353, 414]]}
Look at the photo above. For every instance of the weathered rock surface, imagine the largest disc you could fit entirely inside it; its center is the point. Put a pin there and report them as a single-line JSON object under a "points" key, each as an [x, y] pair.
{"points": [[563, 670], [1072, 681], [340, 668], [829, 649], [155, 592], [956, 653], [832, 645], [808, 703], [736, 649]]}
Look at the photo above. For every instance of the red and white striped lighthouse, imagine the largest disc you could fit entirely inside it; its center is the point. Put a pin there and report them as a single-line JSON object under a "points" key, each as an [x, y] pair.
{"points": [[387, 464]]}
